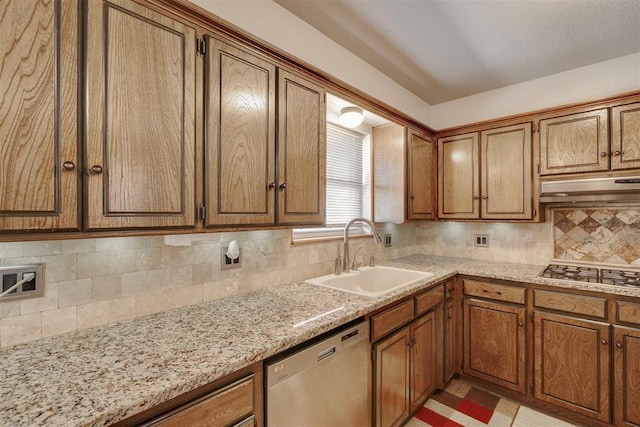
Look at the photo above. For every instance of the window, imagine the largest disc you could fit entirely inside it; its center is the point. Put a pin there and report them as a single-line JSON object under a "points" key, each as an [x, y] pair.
{"points": [[348, 182]]}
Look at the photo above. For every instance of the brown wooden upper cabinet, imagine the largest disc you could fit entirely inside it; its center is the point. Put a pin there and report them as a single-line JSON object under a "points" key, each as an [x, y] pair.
{"points": [[140, 151], [420, 169], [486, 175], [241, 186], [39, 162], [625, 136], [575, 143]]}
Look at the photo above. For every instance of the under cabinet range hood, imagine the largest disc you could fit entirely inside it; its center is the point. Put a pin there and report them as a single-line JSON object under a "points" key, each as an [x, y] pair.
{"points": [[625, 189]]}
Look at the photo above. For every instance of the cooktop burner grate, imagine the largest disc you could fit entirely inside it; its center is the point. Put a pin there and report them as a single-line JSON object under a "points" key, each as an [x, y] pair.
{"points": [[592, 274]]}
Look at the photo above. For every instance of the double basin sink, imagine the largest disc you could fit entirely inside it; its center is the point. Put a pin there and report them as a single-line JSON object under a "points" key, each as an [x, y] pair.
{"points": [[371, 281]]}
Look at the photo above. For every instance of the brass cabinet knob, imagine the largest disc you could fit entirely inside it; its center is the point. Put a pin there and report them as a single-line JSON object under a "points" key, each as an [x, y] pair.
{"points": [[603, 154], [271, 185], [520, 323], [617, 153], [484, 197], [283, 186], [619, 344], [69, 166], [96, 169], [413, 197], [475, 197], [603, 342]]}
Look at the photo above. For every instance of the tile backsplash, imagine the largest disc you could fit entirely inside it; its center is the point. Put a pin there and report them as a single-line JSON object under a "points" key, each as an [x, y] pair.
{"points": [[602, 235]]}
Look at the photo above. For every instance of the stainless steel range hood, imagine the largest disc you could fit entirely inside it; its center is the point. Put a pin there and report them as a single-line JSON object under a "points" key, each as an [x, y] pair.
{"points": [[610, 189]]}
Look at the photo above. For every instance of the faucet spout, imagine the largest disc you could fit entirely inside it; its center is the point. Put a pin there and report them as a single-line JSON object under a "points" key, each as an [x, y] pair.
{"points": [[345, 252]]}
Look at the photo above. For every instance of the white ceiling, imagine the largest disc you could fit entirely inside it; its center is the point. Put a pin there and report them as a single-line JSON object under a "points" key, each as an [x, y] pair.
{"points": [[447, 49]]}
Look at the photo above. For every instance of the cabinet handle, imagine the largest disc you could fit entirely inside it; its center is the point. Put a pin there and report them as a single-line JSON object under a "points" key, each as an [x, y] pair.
{"points": [[475, 197], [603, 154], [619, 345], [449, 317], [603, 342], [69, 166], [283, 185], [271, 185], [413, 197], [96, 169], [484, 197], [520, 323], [617, 153]]}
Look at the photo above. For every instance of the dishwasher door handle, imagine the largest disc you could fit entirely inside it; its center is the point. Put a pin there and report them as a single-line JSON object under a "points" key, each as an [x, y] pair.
{"points": [[327, 353]]}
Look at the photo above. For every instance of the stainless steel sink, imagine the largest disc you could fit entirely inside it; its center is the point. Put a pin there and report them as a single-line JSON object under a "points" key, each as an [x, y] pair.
{"points": [[371, 281]]}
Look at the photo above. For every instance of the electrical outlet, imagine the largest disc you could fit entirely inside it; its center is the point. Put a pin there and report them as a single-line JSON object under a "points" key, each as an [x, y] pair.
{"points": [[387, 240], [481, 240], [226, 262], [17, 273]]}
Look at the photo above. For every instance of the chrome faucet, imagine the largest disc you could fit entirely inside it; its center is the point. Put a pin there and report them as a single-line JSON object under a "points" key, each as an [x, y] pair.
{"points": [[376, 239]]}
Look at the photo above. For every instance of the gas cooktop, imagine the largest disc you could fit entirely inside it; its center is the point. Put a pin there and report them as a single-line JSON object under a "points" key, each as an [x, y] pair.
{"points": [[580, 273]]}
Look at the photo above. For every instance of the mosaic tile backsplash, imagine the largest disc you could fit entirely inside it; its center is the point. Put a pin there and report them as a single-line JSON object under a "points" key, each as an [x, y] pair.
{"points": [[598, 235]]}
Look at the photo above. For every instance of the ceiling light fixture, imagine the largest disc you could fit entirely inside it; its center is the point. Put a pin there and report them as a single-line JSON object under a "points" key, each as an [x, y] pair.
{"points": [[351, 117]]}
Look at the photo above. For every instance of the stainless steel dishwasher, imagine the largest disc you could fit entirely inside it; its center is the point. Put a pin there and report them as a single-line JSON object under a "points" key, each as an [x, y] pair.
{"points": [[326, 384]]}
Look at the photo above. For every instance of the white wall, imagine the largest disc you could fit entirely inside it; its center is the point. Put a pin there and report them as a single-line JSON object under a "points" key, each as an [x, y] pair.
{"points": [[279, 27], [588, 83]]}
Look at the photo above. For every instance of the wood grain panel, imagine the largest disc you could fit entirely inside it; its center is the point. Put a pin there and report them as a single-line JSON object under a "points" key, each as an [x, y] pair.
{"points": [[506, 176], [392, 378], [388, 173], [421, 188], [452, 341], [571, 303], [625, 137], [38, 115], [494, 337], [425, 367], [572, 364], [628, 312], [494, 291], [301, 150], [240, 148], [220, 408], [575, 143], [458, 177], [429, 299], [627, 377], [390, 319], [141, 117]]}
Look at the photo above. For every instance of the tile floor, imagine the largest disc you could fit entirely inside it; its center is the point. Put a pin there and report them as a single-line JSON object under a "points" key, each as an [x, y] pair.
{"points": [[462, 404]]}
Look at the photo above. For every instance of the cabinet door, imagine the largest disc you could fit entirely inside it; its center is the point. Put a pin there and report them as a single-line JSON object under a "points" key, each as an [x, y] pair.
{"points": [[426, 365], [458, 174], [420, 151], [625, 137], [140, 117], [301, 150], [506, 178], [392, 376], [451, 361], [39, 165], [572, 364], [575, 143], [388, 163], [627, 376], [494, 343], [240, 145]]}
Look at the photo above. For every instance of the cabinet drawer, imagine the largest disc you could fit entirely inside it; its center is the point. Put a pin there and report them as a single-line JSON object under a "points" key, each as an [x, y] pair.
{"points": [[628, 312], [449, 289], [390, 319], [494, 291], [590, 306], [219, 408], [429, 299]]}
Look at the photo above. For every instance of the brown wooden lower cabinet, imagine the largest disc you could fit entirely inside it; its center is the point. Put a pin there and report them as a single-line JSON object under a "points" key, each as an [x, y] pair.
{"points": [[572, 365], [407, 369], [451, 350], [627, 376], [494, 337]]}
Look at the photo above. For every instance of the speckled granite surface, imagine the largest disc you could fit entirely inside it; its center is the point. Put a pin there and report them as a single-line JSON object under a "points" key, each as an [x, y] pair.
{"points": [[102, 375]]}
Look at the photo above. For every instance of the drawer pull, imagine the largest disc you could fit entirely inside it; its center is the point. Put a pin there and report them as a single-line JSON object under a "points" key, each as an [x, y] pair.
{"points": [[603, 342], [619, 345], [520, 323]]}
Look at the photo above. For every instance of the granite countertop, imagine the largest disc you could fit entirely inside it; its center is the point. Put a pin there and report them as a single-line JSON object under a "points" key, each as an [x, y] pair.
{"points": [[103, 375]]}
